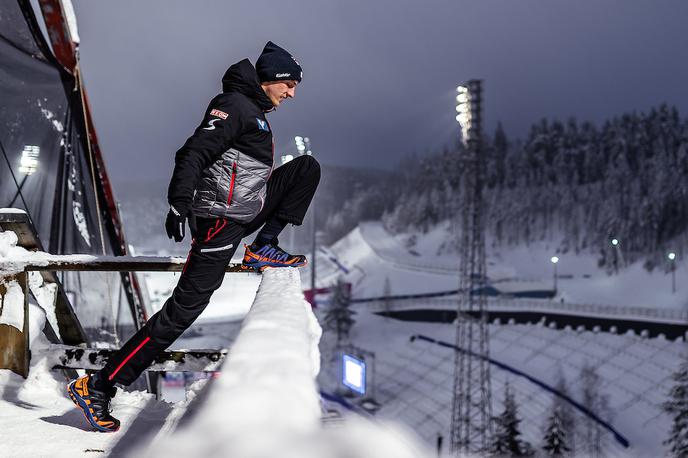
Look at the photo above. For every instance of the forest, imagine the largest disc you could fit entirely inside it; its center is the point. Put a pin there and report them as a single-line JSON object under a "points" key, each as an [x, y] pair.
{"points": [[572, 182]]}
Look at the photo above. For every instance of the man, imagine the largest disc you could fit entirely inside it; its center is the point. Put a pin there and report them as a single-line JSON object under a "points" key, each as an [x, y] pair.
{"points": [[223, 180]]}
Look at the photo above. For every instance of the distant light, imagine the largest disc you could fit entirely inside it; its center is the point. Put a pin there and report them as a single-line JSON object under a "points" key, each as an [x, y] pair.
{"points": [[306, 139], [298, 139], [462, 89], [286, 158], [615, 242], [28, 163], [671, 256], [354, 373], [554, 259]]}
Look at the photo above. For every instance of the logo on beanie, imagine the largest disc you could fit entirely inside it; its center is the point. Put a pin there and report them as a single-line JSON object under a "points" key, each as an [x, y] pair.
{"points": [[282, 75]]}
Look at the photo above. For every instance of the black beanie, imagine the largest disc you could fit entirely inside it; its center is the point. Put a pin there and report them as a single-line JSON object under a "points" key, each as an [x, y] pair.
{"points": [[276, 64]]}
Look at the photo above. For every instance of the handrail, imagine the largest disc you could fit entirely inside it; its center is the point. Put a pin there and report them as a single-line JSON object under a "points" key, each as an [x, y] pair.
{"points": [[85, 262], [14, 348], [672, 316]]}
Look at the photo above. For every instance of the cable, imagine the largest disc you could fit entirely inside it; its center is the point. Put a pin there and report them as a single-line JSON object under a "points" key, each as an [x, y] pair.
{"points": [[80, 88]]}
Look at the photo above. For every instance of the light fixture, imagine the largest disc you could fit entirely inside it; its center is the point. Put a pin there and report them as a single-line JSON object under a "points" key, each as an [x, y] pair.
{"points": [[28, 163]]}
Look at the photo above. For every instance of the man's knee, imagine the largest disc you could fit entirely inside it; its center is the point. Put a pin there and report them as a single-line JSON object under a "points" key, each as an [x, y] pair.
{"points": [[309, 165]]}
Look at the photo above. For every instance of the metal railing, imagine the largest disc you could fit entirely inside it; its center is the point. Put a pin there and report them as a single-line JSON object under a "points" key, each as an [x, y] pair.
{"points": [[666, 315]]}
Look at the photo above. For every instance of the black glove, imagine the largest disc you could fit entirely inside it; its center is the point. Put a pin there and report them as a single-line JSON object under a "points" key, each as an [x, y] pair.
{"points": [[175, 225]]}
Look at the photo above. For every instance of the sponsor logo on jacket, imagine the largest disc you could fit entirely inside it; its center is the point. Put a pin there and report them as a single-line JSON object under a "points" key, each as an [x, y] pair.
{"points": [[218, 113], [263, 125]]}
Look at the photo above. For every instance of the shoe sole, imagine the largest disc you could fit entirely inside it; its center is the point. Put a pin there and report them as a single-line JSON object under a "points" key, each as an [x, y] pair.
{"points": [[262, 265], [81, 404]]}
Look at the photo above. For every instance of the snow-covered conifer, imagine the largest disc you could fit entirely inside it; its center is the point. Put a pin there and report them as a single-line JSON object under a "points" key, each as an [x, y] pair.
{"points": [[340, 317], [555, 442], [677, 407], [507, 437]]}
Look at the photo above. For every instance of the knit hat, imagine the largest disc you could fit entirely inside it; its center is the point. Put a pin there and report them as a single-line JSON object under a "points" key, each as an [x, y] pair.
{"points": [[276, 64]]}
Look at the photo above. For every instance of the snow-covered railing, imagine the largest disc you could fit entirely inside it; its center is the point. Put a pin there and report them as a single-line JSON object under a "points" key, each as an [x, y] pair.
{"points": [[19, 277], [266, 393]]}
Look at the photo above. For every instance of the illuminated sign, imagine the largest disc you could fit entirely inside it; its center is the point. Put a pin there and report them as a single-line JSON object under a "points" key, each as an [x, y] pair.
{"points": [[354, 373]]}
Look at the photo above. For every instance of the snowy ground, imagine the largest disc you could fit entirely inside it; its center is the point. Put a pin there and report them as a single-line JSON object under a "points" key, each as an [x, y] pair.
{"points": [[373, 256], [413, 379], [265, 402]]}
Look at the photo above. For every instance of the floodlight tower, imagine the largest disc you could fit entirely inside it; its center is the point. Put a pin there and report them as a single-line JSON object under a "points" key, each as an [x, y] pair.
{"points": [[303, 146], [471, 425]]}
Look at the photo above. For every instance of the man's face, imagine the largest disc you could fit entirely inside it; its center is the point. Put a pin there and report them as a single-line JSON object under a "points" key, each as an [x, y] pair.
{"points": [[279, 90]]}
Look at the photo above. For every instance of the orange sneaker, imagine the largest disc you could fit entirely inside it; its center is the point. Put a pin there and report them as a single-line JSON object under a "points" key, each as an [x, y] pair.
{"points": [[259, 257], [93, 403]]}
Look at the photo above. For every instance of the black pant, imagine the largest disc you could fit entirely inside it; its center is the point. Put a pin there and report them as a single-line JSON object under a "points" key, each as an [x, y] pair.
{"points": [[290, 190]]}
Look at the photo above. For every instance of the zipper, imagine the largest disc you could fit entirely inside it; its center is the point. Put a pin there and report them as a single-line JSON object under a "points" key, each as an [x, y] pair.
{"points": [[231, 183]]}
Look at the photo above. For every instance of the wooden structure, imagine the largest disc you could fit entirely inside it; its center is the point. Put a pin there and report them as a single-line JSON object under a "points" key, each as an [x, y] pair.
{"points": [[14, 343]]}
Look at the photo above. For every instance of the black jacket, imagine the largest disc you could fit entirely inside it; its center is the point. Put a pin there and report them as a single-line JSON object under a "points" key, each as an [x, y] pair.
{"points": [[234, 138]]}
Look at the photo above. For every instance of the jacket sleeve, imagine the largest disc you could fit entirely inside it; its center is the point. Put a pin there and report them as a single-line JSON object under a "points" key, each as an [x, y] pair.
{"points": [[214, 136]]}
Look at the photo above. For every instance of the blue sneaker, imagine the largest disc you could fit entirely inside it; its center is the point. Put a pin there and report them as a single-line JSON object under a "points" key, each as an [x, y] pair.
{"points": [[259, 257]]}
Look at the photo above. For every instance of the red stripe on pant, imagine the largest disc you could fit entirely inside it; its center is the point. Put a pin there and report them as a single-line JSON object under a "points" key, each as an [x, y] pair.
{"points": [[121, 365]]}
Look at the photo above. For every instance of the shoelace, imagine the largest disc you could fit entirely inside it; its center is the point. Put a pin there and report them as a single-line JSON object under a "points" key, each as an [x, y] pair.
{"points": [[274, 252]]}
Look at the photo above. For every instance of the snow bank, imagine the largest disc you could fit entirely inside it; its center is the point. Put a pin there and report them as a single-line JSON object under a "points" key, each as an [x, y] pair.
{"points": [[12, 260], [266, 403]]}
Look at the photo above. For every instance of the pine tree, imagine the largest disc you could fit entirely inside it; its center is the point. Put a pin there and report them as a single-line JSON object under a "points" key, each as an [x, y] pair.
{"points": [[677, 407], [340, 316], [592, 434], [555, 440], [566, 413], [506, 440], [387, 293]]}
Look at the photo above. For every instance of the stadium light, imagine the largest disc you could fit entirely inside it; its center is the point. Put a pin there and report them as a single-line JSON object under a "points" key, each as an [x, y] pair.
{"points": [[303, 146], [286, 158], [354, 373], [463, 108], [28, 163], [617, 254], [555, 261], [300, 144], [672, 258]]}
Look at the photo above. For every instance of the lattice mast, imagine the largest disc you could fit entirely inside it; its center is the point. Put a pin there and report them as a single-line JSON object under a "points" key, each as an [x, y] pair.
{"points": [[471, 426]]}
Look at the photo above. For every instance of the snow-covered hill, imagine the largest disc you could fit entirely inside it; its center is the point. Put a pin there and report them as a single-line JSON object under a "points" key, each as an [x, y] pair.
{"points": [[413, 380]]}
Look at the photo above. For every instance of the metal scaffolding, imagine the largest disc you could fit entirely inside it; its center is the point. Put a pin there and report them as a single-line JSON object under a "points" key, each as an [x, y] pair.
{"points": [[471, 423]]}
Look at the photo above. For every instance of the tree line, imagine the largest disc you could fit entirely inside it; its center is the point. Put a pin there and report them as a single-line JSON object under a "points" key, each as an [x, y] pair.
{"points": [[569, 181]]}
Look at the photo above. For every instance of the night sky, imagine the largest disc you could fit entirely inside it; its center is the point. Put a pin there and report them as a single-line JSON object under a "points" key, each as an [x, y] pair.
{"points": [[379, 76]]}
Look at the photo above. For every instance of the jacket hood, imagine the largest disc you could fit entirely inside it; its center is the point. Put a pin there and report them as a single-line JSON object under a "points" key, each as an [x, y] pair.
{"points": [[242, 77]]}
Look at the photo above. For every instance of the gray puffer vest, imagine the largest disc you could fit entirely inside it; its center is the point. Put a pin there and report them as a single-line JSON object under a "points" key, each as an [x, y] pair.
{"points": [[233, 187]]}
